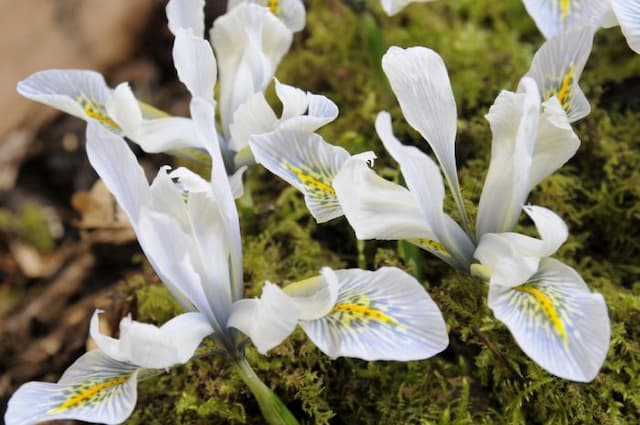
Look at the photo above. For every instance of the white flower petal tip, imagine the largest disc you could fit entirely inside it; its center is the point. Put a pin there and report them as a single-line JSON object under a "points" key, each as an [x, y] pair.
{"points": [[186, 15], [267, 320], [80, 93], [391, 7], [377, 208], [304, 112], [556, 321], [195, 63], [554, 17], [419, 79], [306, 162], [514, 119], [628, 15], [95, 388], [249, 43], [424, 180], [557, 67], [156, 134], [381, 315], [316, 296], [153, 347], [292, 12], [366, 157]]}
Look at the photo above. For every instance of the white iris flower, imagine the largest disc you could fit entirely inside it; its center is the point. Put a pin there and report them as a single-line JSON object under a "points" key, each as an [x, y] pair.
{"points": [[532, 138], [545, 304], [101, 386], [189, 230]]}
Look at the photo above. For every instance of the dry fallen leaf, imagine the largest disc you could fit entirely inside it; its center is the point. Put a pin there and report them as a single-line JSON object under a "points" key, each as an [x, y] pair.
{"points": [[102, 220]]}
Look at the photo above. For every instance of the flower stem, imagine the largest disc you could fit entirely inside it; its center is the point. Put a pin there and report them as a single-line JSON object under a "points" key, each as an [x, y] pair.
{"points": [[273, 409]]}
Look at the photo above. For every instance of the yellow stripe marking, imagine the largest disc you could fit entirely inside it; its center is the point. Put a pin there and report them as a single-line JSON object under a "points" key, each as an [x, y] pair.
{"points": [[88, 394], [547, 307], [273, 6], [368, 312], [565, 88], [565, 8], [309, 181], [92, 113], [431, 245]]}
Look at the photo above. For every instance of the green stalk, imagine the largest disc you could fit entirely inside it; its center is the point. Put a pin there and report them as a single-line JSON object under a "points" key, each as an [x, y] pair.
{"points": [[273, 409]]}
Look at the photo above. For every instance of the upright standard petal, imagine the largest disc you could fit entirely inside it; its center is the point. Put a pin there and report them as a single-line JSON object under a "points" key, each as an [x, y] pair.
{"points": [[253, 117], [628, 14], [556, 320], [186, 14], [195, 64], [306, 162], [249, 43], [381, 315], [514, 121], [160, 235], [119, 169], [556, 16], [557, 67], [394, 6], [153, 347], [267, 320], [320, 110], [203, 113], [425, 182], [80, 93], [377, 208], [304, 112], [95, 388], [555, 144], [419, 79]]}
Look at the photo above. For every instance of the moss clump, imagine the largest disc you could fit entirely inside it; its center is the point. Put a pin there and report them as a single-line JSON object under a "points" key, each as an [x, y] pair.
{"points": [[483, 377], [29, 224]]}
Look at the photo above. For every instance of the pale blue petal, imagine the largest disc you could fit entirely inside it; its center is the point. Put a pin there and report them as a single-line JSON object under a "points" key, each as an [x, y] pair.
{"points": [[80, 93], [306, 162], [381, 315], [557, 67], [95, 388], [554, 17], [556, 321]]}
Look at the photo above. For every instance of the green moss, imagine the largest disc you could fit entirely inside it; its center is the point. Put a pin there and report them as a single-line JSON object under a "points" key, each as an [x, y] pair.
{"points": [[30, 225], [483, 377]]}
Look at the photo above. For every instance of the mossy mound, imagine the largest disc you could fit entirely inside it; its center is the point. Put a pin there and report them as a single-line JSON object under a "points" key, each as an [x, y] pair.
{"points": [[483, 377]]}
